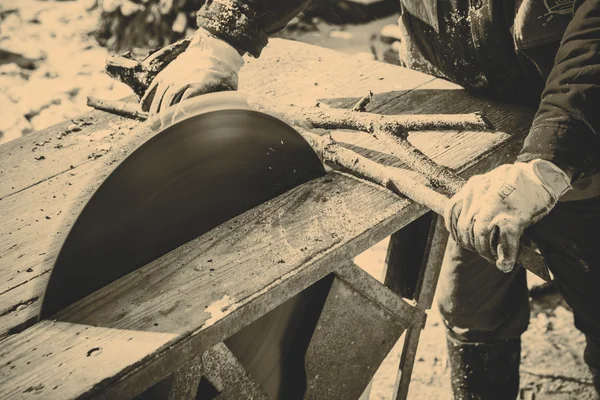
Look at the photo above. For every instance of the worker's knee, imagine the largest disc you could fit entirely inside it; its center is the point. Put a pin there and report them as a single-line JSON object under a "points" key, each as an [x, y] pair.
{"points": [[592, 359], [592, 352], [477, 301]]}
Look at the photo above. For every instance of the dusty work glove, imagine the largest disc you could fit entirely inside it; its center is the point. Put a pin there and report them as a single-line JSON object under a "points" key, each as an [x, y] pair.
{"points": [[208, 65], [489, 214]]}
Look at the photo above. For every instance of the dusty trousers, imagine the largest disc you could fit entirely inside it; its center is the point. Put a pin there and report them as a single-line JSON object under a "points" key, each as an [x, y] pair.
{"points": [[481, 304]]}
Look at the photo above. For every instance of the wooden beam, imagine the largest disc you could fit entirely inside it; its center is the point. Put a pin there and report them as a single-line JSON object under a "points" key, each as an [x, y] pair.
{"points": [[360, 280], [249, 277], [69, 350], [429, 274]]}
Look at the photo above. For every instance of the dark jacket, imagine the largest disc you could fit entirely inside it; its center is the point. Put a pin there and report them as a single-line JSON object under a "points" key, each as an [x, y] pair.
{"points": [[510, 48]]}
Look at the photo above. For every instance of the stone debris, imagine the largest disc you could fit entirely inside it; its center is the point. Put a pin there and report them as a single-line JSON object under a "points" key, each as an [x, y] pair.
{"points": [[38, 88], [73, 128], [10, 58], [390, 33], [13, 123], [180, 23]]}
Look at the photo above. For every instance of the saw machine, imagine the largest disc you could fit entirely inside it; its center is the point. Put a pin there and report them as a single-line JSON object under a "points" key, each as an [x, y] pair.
{"points": [[211, 159]]}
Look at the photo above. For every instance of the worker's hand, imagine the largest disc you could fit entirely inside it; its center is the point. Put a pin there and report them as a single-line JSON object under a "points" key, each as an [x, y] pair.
{"points": [[489, 214], [208, 65]]}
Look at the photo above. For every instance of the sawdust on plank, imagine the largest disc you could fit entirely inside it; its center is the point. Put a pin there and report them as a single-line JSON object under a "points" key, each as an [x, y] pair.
{"points": [[219, 309]]}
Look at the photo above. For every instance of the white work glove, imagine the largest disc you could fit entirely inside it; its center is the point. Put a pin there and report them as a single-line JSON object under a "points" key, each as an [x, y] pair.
{"points": [[489, 214], [208, 65]]}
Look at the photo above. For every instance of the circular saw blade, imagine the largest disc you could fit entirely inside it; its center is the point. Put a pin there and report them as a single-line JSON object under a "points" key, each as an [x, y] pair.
{"points": [[193, 175]]}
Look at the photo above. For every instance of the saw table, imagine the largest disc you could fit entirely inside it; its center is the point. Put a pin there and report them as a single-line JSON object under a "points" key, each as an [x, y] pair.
{"points": [[163, 326]]}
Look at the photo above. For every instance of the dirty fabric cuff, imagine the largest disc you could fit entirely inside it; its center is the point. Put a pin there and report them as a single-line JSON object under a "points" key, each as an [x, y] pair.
{"points": [[234, 21], [566, 128], [570, 144], [247, 24]]}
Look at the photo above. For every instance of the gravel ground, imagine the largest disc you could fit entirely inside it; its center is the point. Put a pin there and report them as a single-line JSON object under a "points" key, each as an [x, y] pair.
{"points": [[50, 63], [64, 65]]}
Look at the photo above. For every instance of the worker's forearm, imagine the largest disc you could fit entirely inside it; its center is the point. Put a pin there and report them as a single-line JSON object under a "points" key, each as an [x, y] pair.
{"points": [[566, 127], [247, 24]]}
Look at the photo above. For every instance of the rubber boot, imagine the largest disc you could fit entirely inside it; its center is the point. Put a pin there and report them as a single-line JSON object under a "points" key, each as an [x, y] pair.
{"points": [[596, 380], [484, 371], [591, 356]]}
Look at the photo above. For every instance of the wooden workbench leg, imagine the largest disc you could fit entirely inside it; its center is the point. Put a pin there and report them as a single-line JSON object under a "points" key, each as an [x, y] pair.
{"points": [[185, 382], [216, 374], [407, 362], [405, 256], [434, 256], [224, 371], [425, 291]]}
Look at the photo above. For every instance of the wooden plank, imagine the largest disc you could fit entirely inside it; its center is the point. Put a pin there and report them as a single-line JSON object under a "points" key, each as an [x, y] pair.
{"points": [[333, 216], [337, 86], [75, 350], [318, 225], [428, 279], [62, 150], [291, 72], [30, 243]]}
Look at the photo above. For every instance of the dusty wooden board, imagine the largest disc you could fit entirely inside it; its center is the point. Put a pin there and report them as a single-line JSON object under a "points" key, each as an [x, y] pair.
{"points": [[260, 259], [61, 149], [288, 72], [303, 77], [74, 350]]}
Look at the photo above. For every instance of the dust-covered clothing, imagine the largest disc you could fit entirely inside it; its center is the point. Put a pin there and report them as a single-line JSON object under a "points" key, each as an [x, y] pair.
{"points": [[481, 304], [247, 24], [502, 47], [509, 49]]}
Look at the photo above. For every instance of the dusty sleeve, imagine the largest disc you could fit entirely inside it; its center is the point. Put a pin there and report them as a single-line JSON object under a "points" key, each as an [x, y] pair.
{"points": [[566, 127], [247, 24]]}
